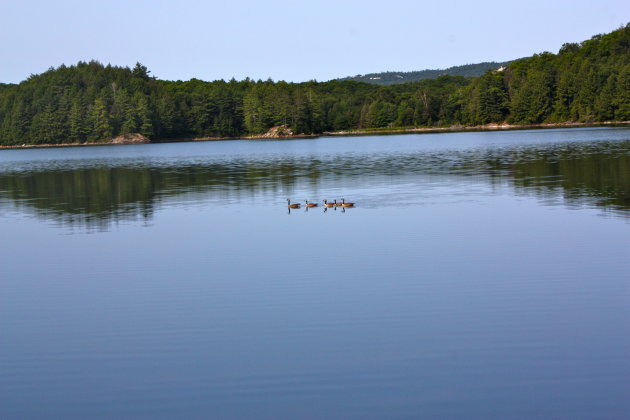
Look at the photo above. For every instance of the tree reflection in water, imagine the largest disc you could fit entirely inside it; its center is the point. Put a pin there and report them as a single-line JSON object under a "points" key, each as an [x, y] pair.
{"points": [[574, 174]]}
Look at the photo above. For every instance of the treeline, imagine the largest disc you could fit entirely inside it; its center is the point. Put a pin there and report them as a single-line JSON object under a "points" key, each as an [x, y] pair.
{"points": [[586, 82], [90, 102], [392, 78]]}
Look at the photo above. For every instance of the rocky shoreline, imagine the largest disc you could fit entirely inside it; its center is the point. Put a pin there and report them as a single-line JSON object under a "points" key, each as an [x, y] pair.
{"points": [[283, 132], [463, 128]]}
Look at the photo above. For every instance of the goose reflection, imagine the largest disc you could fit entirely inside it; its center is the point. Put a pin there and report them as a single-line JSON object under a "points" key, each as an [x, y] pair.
{"points": [[344, 204], [85, 193]]}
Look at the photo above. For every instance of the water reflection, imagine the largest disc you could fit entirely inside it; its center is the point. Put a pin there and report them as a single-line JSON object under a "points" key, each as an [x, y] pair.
{"points": [[97, 193]]}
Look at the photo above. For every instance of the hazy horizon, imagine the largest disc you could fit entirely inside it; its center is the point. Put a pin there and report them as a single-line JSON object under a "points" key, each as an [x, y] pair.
{"points": [[291, 42]]}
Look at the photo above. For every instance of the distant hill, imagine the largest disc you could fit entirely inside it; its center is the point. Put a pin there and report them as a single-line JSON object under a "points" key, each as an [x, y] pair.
{"points": [[392, 77]]}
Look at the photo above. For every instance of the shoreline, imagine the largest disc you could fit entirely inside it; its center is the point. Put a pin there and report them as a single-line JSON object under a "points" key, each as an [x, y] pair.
{"points": [[357, 132], [483, 127]]}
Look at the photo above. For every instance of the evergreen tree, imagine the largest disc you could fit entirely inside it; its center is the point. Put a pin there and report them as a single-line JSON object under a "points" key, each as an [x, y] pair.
{"points": [[589, 81], [145, 125], [622, 95], [101, 129], [79, 128]]}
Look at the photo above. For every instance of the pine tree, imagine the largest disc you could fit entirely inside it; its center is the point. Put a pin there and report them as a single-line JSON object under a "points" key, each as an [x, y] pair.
{"points": [[492, 98], [167, 117], [79, 128], [101, 129], [605, 104], [622, 95], [145, 125]]}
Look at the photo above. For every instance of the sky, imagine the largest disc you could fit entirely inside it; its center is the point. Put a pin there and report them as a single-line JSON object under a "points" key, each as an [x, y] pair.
{"points": [[290, 40]]}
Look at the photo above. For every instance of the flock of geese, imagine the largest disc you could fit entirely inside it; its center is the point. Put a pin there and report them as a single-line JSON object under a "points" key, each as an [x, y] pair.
{"points": [[327, 204]]}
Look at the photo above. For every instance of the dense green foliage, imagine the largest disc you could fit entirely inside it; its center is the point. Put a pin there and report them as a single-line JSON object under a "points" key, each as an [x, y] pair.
{"points": [[392, 77], [92, 102]]}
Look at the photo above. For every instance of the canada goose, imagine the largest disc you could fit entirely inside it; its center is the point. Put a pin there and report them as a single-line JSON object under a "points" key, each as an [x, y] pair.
{"points": [[337, 204], [292, 205], [344, 204], [310, 204], [327, 204]]}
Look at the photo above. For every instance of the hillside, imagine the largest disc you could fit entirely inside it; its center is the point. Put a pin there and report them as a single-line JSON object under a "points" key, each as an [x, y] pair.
{"points": [[91, 102], [392, 77]]}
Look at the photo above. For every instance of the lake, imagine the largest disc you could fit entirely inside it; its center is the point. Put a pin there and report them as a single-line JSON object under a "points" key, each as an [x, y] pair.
{"points": [[480, 275]]}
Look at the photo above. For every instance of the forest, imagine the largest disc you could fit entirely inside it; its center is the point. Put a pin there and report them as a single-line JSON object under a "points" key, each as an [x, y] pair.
{"points": [[397, 77], [92, 102]]}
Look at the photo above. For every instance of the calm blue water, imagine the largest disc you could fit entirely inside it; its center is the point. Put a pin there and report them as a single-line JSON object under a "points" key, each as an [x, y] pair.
{"points": [[480, 276]]}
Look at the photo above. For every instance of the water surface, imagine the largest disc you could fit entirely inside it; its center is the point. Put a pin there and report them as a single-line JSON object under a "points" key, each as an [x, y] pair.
{"points": [[481, 275]]}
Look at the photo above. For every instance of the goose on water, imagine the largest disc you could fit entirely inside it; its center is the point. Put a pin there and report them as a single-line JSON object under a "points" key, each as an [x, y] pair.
{"points": [[344, 204]]}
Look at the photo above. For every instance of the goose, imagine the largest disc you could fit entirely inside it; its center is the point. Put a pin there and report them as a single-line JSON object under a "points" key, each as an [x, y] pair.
{"points": [[327, 204], [344, 204], [310, 204], [292, 205], [337, 204]]}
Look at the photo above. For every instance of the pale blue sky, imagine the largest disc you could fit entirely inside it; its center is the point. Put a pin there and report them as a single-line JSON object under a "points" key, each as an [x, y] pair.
{"points": [[290, 40]]}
